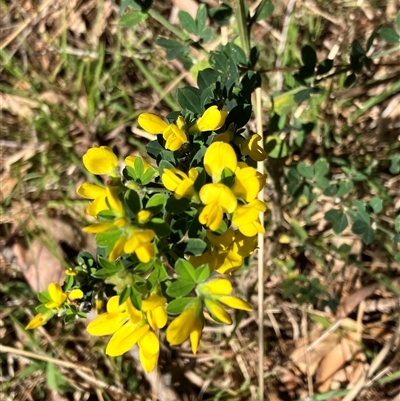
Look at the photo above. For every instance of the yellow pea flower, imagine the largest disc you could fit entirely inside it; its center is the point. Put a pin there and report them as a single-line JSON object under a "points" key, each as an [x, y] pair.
{"points": [[217, 312], [127, 326], [56, 295], [218, 199], [143, 216], [188, 324], [246, 218], [174, 136], [154, 306], [39, 320], [179, 182], [140, 244], [95, 192], [211, 120], [149, 349], [248, 182], [250, 147], [218, 156], [101, 161]]}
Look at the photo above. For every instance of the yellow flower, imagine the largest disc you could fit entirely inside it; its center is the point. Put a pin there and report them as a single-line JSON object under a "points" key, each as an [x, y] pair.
{"points": [[100, 161], [218, 199], [218, 156], [250, 147], [56, 295], [188, 324], [246, 218], [248, 182], [217, 292], [96, 192], [174, 136], [211, 120], [217, 312], [127, 326], [180, 183], [39, 320], [154, 306], [143, 216], [140, 244], [149, 349], [76, 293]]}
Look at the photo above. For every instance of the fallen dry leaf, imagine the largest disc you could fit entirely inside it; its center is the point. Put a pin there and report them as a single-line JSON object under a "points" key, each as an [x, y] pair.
{"points": [[352, 301], [309, 361]]}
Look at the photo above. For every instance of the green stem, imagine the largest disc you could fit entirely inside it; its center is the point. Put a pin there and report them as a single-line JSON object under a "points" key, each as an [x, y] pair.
{"points": [[243, 28], [159, 18]]}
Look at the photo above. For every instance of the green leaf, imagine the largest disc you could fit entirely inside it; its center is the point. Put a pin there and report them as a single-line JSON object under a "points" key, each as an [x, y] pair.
{"points": [[263, 11], [154, 148], [239, 115], [331, 190], [389, 35], [398, 21], [187, 22], [185, 270], [221, 15], [397, 224], [201, 19], [308, 56], [132, 200], [394, 164], [44, 297], [156, 203], [132, 18], [338, 220], [376, 204], [344, 188], [51, 376], [322, 183], [299, 231], [207, 78], [189, 98], [302, 96], [177, 205], [361, 227], [305, 170], [177, 306], [180, 288], [175, 49], [125, 294], [357, 49], [397, 257], [324, 66], [139, 167], [321, 167], [350, 80], [276, 148], [195, 246], [108, 239], [396, 238], [370, 40], [202, 273], [108, 268], [159, 226]]}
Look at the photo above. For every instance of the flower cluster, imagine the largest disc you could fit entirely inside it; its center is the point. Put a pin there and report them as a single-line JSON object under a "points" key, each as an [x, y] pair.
{"points": [[166, 233]]}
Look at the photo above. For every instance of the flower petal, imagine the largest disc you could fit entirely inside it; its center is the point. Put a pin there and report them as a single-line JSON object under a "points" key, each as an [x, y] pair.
{"points": [[125, 338], [218, 156], [75, 294], [211, 120], [218, 286], [235, 302], [152, 123], [217, 312], [100, 161]]}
